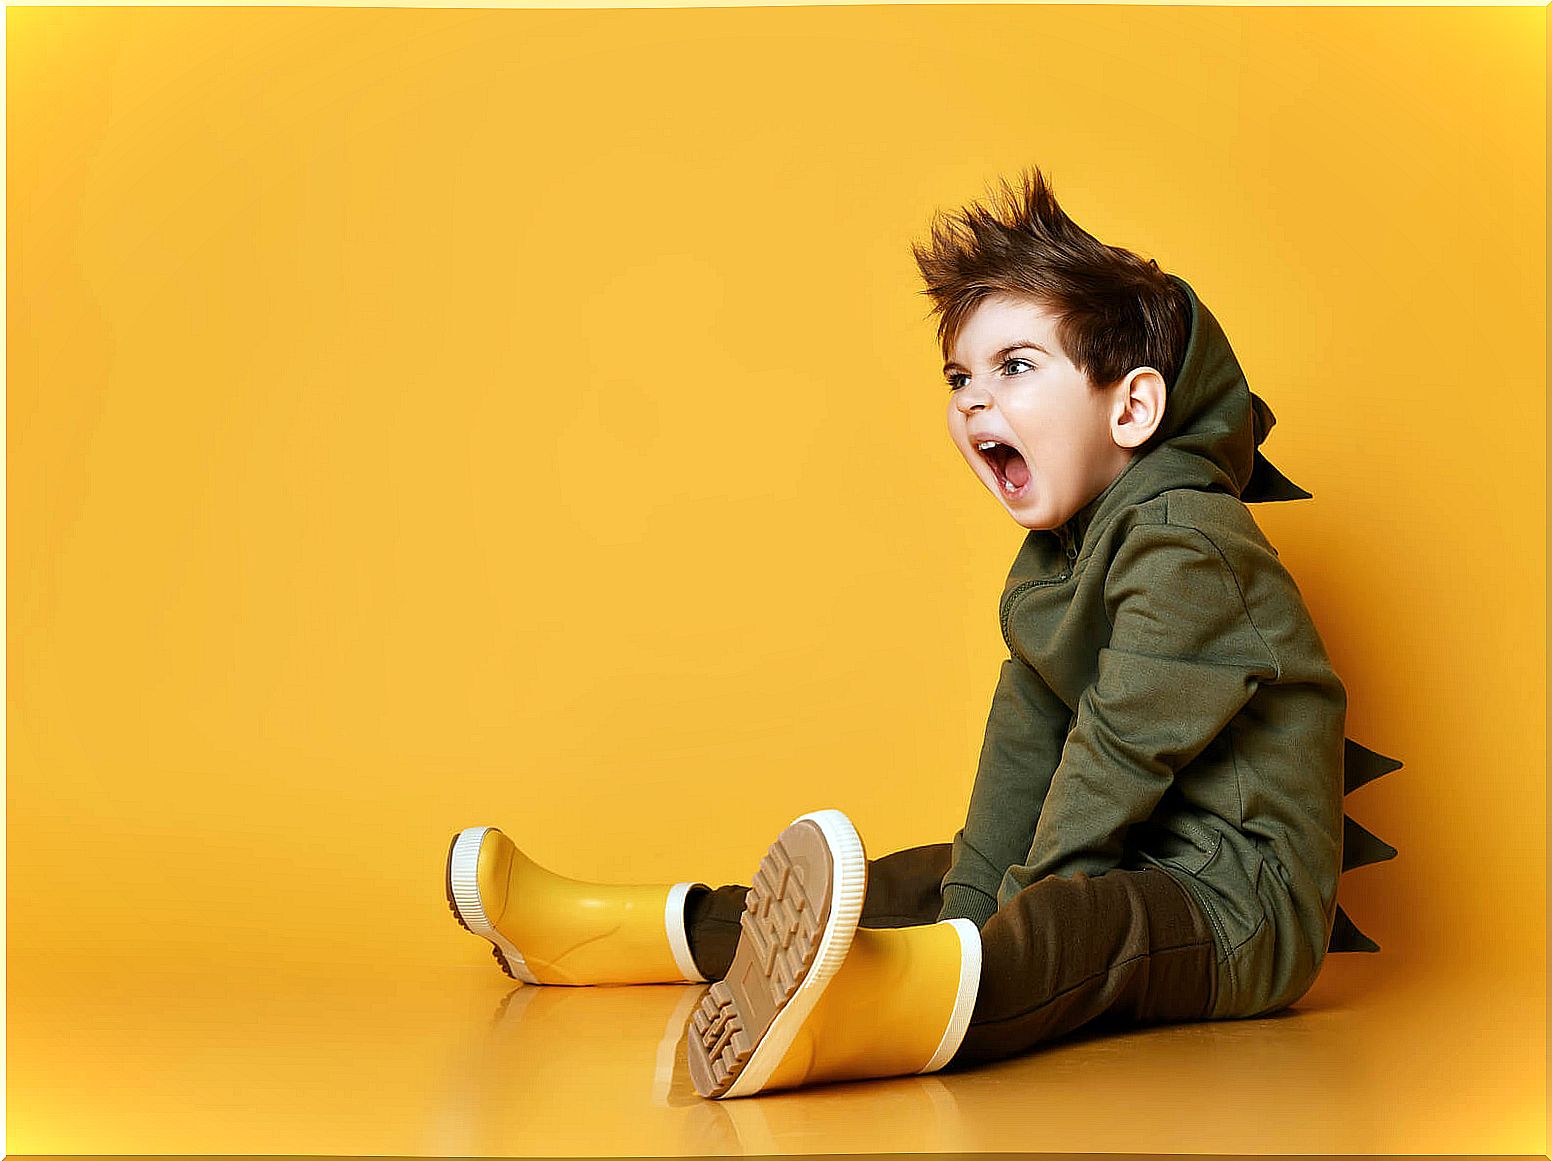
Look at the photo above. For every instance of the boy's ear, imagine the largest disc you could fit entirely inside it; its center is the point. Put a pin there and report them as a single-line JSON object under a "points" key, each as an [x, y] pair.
{"points": [[1139, 407]]}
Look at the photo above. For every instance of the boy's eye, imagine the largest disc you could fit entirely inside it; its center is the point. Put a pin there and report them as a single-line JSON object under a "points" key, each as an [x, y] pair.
{"points": [[955, 386]]}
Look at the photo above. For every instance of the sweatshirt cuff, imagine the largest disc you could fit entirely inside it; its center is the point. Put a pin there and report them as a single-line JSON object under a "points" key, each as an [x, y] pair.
{"points": [[965, 902]]}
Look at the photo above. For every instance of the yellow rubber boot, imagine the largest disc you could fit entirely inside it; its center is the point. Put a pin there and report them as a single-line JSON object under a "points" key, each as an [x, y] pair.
{"points": [[810, 997], [899, 1005], [548, 929]]}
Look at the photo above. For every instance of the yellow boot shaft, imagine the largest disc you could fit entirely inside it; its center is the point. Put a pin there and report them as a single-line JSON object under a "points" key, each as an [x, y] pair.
{"points": [[899, 1005], [550, 929]]}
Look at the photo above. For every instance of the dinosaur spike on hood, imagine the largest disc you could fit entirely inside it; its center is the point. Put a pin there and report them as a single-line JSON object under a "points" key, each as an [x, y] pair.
{"points": [[1266, 482], [1210, 435]]}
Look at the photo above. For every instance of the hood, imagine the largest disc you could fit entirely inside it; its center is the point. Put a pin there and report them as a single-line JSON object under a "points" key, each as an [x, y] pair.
{"points": [[1209, 438]]}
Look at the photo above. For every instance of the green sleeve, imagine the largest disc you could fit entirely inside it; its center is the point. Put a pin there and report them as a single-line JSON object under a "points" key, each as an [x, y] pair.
{"points": [[1022, 745], [1183, 658]]}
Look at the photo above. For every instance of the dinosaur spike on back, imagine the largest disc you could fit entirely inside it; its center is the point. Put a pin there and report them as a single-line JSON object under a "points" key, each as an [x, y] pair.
{"points": [[1360, 847], [1361, 764], [1345, 935]]}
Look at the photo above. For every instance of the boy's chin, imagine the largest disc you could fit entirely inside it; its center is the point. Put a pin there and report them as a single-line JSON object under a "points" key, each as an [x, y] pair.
{"points": [[1034, 519], [1031, 518], [1027, 514], [1034, 524]]}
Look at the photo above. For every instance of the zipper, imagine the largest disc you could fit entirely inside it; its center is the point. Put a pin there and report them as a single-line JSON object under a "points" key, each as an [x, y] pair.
{"points": [[1070, 550], [1070, 546]]}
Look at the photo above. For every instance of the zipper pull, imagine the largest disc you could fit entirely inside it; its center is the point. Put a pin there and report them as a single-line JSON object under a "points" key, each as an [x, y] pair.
{"points": [[1071, 549], [1068, 544]]}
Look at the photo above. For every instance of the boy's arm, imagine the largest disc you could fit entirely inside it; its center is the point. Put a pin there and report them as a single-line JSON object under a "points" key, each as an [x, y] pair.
{"points": [[1022, 745], [1183, 659]]}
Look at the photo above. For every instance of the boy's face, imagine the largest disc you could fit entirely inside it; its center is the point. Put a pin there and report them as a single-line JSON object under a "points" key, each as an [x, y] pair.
{"points": [[1039, 403]]}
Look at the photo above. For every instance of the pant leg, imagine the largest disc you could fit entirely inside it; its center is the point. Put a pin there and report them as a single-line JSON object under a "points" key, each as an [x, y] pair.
{"points": [[905, 888], [1127, 947]]}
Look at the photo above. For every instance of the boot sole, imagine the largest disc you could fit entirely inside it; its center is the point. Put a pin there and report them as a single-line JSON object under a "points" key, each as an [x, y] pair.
{"points": [[798, 922], [463, 897]]}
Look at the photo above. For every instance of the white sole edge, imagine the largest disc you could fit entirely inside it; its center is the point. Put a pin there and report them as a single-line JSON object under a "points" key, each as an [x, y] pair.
{"points": [[678, 934], [463, 873], [964, 1001], [851, 871]]}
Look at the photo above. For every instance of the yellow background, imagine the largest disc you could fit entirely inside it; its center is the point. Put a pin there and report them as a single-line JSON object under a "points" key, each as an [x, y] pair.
{"points": [[421, 419]]}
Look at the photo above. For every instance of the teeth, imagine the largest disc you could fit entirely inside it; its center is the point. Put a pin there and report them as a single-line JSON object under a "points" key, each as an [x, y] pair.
{"points": [[1008, 485], [987, 445]]}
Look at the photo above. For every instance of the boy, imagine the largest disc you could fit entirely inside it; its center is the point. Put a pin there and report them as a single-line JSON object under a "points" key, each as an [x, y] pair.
{"points": [[1155, 831]]}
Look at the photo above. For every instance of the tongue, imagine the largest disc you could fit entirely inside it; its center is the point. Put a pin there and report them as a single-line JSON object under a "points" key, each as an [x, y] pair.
{"points": [[1016, 470]]}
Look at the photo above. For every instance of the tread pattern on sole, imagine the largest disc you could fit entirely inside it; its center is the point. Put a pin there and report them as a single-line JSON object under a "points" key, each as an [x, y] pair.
{"points": [[782, 925]]}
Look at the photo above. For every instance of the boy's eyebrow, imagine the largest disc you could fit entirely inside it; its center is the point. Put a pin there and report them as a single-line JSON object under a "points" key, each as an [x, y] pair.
{"points": [[1002, 354]]}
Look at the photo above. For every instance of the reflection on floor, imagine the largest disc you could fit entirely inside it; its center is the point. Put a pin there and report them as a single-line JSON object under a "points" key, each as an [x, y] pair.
{"points": [[456, 1060]]}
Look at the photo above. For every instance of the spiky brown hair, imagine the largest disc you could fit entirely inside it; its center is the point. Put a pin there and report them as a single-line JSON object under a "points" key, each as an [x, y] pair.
{"points": [[1114, 311]]}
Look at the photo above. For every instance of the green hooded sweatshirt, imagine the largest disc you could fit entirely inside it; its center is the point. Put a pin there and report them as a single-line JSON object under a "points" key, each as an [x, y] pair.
{"points": [[1168, 702]]}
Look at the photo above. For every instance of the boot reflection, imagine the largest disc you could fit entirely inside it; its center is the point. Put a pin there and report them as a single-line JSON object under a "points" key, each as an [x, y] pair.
{"points": [[595, 1071], [568, 1070], [920, 1109]]}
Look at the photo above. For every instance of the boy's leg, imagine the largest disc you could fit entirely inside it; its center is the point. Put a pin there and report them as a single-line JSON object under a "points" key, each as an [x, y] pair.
{"points": [[904, 888], [1127, 947]]}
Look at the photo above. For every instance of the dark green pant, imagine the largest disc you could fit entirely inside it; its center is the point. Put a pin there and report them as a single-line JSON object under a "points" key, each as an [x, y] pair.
{"points": [[1128, 947]]}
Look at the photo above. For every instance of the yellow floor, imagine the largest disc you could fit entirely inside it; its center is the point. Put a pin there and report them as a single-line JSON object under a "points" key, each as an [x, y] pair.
{"points": [[454, 1059]]}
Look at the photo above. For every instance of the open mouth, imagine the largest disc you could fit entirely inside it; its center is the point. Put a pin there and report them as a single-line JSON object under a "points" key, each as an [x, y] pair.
{"points": [[1008, 464]]}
